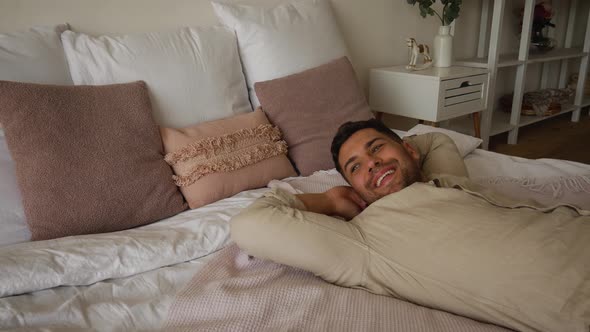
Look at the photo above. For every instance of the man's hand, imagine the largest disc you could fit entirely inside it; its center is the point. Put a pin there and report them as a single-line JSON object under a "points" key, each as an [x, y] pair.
{"points": [[346, 202], [342, 201]]}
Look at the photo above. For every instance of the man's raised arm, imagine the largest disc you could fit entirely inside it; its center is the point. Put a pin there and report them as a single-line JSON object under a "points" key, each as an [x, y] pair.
{"points": [[279, 227]]}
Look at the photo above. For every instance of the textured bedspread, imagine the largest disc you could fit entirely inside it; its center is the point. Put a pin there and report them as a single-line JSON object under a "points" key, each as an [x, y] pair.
{"points": [[240, 293]]}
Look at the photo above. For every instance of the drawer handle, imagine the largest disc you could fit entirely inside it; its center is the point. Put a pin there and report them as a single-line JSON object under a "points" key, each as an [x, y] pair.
{"points": [[464, 84]]}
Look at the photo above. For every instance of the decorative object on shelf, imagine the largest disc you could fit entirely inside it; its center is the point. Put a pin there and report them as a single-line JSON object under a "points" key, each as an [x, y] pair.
{"points": [[443, 47], [415, 51], [542, 15], [443, 41], [574, 81], [543, 102]]}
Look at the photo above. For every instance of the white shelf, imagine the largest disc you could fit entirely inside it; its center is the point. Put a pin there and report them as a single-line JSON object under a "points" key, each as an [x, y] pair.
{"points": [[501, 121], [509, 60], [495, 122], [506, 60], [526, 120], [556, 54]]}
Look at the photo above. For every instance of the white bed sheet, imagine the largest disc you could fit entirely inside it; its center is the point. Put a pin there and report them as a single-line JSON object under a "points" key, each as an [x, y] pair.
{"points": [[12, 216], [132, 282], [482, 164]]}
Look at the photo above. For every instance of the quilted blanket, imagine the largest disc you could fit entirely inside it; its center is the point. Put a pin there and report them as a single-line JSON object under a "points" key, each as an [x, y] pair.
{"points": [[236, 292]]}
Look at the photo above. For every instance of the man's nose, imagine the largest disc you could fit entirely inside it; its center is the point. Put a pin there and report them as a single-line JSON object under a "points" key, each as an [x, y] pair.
{"points": [[374, 164]]}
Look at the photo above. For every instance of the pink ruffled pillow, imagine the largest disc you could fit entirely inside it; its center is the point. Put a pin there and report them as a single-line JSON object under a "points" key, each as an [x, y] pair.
{"points": [[217, 159]]}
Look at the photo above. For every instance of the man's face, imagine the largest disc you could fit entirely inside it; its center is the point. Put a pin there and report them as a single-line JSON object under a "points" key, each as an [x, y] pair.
{"points": [[376, 165]]}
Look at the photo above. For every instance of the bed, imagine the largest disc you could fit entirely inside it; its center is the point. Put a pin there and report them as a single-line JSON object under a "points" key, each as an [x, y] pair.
{"points": [[183, 271], [147, 278]]}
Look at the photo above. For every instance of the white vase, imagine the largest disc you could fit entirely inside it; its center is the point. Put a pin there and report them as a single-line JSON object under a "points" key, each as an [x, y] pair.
{"points": [[443, 47]]}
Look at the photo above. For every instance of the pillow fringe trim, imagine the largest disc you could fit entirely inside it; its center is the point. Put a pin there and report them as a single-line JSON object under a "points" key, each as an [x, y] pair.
{"points": [[246, 157], [213, 146]]}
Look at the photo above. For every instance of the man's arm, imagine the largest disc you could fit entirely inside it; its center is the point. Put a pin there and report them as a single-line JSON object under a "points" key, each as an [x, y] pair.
{"points": [[438, 155], [278, 228]]}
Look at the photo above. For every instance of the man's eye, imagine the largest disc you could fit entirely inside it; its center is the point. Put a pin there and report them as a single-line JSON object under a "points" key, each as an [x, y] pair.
{"points": [[354, 168], [376, 147]]}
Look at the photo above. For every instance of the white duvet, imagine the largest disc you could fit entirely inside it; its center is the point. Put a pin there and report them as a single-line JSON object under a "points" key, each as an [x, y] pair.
{"points": [[127, 280], [133, 274]]}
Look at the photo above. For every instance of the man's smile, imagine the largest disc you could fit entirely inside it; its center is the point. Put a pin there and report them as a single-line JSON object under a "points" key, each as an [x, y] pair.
{"points": [[384, 176]]}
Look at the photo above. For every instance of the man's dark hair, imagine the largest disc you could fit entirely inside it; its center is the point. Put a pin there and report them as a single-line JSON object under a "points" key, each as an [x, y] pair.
{"points": [[349, 128]]}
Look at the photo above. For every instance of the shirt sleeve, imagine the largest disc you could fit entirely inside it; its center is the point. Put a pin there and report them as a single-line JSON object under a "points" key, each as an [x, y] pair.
{"points": [[438, 155], [277, 227]]}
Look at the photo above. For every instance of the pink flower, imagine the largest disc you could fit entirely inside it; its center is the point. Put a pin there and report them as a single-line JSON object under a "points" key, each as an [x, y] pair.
{"points": [[542, 15], [543, 11]]}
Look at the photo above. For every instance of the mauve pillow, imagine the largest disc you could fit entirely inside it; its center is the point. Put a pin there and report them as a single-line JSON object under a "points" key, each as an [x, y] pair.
{"points": [[309, 107], [217, 159], [89, 159]]}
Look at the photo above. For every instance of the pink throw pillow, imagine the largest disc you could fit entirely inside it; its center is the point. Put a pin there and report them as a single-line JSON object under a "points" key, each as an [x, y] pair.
{"points": [[217, 159], [89, 159], [309, 107]]}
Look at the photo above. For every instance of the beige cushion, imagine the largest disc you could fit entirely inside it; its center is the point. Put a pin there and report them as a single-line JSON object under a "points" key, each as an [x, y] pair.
{"points": [[217, 159], [89, 159], [438, 155], [465, 143], [310, 106]]}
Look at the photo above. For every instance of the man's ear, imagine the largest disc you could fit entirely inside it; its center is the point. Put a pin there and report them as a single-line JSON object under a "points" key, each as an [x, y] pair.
{"points": [[411, 151]]}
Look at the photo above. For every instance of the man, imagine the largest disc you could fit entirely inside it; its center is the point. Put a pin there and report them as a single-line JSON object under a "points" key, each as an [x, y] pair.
{"points": [[436, 240], [375, 169]]}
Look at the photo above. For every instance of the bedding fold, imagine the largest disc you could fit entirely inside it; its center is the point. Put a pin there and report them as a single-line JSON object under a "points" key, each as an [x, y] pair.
{"points": [[87, 259]]}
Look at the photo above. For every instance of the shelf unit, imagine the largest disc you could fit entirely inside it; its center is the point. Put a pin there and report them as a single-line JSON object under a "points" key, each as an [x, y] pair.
{"points": [[501, 121], [497, 122]]}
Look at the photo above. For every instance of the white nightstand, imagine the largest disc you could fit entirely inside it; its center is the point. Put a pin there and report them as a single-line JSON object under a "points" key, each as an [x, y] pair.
{"points": [[433, 94]]}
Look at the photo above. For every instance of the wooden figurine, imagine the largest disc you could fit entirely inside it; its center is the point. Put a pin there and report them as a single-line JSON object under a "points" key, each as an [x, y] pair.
{"points": [[416, 50]]}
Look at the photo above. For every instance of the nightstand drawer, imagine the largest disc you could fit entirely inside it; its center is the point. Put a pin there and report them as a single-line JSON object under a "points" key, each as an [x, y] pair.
{"points": [[462, 95], [464, 82]]}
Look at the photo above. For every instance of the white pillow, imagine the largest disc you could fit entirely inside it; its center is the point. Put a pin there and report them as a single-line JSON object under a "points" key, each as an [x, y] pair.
{"points": [[34, 56], [13, 225], [465, 143], [193, 74], [282, 40]]}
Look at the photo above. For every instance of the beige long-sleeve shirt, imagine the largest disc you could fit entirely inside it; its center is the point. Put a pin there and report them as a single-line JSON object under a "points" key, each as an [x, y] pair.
{"points": [[447, 244]]}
